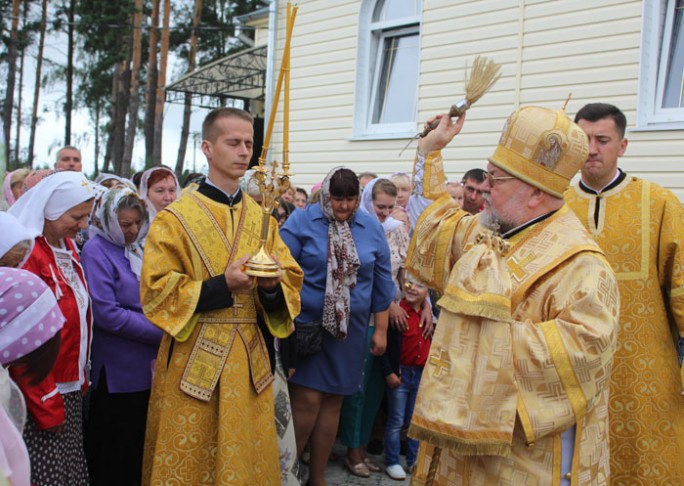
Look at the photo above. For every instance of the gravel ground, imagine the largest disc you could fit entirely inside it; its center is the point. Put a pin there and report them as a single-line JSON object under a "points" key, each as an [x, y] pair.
{"points": [[338, 475]]}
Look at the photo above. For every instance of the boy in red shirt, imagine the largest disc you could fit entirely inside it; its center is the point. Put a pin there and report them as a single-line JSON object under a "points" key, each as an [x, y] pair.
{"points": [[402, 365]]}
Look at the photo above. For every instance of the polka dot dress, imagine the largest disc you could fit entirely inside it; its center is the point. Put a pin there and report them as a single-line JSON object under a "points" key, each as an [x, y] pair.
{"points": [[57, 458]]}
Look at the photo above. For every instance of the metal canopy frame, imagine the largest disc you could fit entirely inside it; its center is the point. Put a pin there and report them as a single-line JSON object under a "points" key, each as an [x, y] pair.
{"points": [[240, 76]]}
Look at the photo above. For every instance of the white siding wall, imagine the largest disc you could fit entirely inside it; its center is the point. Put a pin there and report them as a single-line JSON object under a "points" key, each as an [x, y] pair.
{"points": [[547, 48]]}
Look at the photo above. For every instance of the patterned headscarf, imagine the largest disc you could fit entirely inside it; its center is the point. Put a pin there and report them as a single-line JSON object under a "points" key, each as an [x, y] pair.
{"points": [[36, 176], [29, 315], [144, 188], [104, 176], [390, 224], [105, 223], [343, 263]]}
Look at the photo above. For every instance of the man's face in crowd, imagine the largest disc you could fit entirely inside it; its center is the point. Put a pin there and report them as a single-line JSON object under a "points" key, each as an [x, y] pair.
{"points": [[69, 159], [606, 145], [365, 180], [230, 153], [472, 196]]}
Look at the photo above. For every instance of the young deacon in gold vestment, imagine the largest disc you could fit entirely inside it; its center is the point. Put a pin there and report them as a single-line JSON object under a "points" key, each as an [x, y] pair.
{"points": [[515, 389], [211, 416], [640, 227]]}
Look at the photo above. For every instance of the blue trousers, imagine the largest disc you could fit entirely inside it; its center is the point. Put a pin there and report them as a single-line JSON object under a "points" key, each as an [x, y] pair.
{"points": [[400, 404]]}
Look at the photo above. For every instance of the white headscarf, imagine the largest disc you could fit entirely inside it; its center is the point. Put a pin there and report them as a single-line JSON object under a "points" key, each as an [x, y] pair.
{"points": [[12, 233], [390, 224], [53, 196], [104, 176], [143, 188], [106, 224]]}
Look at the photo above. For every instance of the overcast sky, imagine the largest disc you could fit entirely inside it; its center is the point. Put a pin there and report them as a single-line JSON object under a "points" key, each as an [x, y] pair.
{"points": [[50, 129]]}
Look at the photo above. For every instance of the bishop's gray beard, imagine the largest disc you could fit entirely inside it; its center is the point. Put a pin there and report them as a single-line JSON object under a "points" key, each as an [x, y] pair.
{"points": [[492, 221], [489, 220], [487, 216]]}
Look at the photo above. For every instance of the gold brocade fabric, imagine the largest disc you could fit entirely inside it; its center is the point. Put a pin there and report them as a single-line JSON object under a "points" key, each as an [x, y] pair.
{"points": [[467, 400], [228, 435], [562, 335], [641, 230]]}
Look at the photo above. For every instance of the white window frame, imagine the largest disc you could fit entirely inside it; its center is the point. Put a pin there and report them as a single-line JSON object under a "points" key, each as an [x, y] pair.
{"points": [[657, 24], [368, 66]]}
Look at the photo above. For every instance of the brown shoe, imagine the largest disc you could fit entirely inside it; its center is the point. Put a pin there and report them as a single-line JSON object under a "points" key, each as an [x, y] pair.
{"points": [[372, 465], [360, 469]]}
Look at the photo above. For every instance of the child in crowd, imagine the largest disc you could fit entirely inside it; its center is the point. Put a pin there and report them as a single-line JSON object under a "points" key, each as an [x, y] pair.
{"points": [[402, 365], [403, 182], [455, 190]]}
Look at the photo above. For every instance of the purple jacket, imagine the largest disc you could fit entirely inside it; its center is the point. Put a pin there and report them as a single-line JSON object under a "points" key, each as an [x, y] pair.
{"points": [[124, 342]]}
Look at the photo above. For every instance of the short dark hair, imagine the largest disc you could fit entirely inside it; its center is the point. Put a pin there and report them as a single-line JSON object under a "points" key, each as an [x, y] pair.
{"points": [[208, 125], [344, 183], [301, 190], [287, 207], [478, 175], [66, 147], [136, 178], [193, 177], [594, 112]]}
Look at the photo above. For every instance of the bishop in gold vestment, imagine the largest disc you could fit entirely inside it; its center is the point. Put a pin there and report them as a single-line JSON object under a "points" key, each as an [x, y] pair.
{"points": [[541, 379], [211, 415]]}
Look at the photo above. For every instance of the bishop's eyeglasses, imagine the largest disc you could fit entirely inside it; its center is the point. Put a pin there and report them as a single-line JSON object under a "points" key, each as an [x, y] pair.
{"points": [[493, 180]]}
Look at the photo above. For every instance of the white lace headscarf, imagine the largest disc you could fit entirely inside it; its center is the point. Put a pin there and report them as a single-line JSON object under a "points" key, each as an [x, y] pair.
{"points": [[106, 224], [343, 263], [144, 188]]}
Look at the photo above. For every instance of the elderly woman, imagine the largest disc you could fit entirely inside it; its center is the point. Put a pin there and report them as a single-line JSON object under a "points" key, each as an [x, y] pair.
{"points": [[124, 342], [347, 277], [55, 210], [29, 343], [158, 188]]}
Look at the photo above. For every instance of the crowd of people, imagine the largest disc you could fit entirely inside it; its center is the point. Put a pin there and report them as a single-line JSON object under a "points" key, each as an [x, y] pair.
{"points": [[509, 327]]}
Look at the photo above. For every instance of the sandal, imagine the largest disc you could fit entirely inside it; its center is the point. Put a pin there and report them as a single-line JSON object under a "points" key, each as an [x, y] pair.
{"points": [[372, 465], [360, 469]]}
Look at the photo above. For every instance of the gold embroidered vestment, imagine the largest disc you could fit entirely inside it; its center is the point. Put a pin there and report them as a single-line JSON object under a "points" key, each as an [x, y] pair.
{"points": [[211, 415], [641, 230], [562, 331]]}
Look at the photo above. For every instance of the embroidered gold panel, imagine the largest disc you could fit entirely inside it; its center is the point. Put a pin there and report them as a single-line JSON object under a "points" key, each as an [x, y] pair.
{"points": [[640, 228]]}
